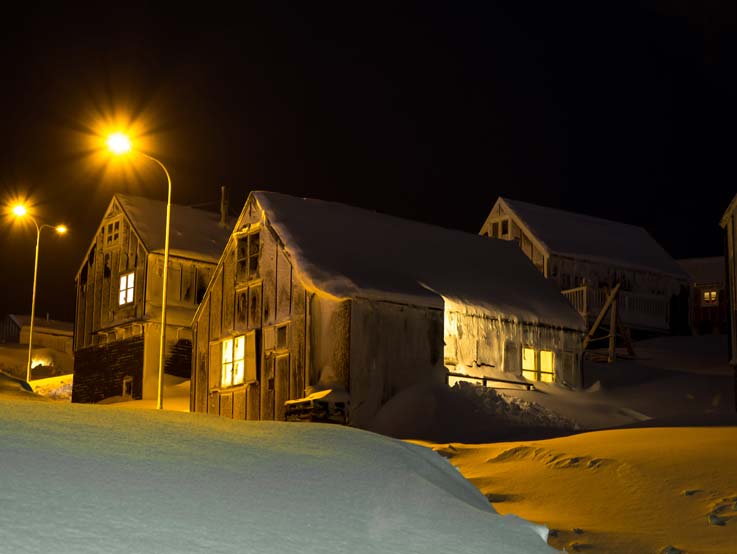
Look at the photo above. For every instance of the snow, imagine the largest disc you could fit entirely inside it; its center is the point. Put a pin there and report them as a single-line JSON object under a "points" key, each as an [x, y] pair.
{"points": [[86, 478], [193, 233], [348, 252], [595, 239]]}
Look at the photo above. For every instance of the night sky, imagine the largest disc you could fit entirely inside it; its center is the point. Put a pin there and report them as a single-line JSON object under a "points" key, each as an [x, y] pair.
{"points": [[427, 111]]}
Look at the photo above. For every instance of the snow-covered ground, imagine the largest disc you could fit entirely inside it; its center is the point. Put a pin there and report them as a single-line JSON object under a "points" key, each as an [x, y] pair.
{"points": [[86, 478], [642, 460]]}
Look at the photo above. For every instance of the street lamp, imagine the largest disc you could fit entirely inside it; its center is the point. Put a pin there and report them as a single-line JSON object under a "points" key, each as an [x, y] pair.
{"points": [[20, 211], [119, 143]]}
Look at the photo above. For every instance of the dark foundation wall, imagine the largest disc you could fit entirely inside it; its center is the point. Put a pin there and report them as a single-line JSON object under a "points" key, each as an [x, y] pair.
{"points": [[99, 370]]}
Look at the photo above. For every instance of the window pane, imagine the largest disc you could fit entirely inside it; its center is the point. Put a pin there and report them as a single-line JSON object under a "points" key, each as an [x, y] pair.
{"points": [[531, 375], [123, 282], [239, 348], [253, 244], [546, 377], [227, 377], [706, 296], [238, 372], [528, 359], [130, 280], [713, 296], [129, 297], [546, 361], [227, 351], [121, 299]]}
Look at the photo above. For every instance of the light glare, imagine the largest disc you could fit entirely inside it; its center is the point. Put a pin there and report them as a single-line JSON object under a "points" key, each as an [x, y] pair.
{"points": [[19, 210], [118, 143], [61, 229]]}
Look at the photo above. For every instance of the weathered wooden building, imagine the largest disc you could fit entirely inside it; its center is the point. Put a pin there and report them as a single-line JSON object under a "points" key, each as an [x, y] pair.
{"points": [[584, 255], [119, 290], [311, 295], [47, 332], [709, 304]]}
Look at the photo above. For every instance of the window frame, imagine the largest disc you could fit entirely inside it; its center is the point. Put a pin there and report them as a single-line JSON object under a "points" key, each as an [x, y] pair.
{"points": [[127, 291], [536, 372], [246, 257]]}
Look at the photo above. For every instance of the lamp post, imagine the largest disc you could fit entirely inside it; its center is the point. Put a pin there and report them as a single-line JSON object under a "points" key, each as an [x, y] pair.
{"points": [[118, 143], [20, 211]]}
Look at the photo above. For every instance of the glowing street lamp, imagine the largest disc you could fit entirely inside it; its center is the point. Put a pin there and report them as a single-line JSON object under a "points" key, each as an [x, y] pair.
{"points": [[20, 211], [119, 143]]}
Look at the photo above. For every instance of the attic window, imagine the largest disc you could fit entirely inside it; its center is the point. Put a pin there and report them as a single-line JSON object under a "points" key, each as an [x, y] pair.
{"points": [[247, 257], [125, 295], [495, 229], [112, 232], [505, 228]]}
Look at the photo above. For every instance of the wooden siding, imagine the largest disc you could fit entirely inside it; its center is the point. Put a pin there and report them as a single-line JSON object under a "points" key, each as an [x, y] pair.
{"points": [[267, 306]]}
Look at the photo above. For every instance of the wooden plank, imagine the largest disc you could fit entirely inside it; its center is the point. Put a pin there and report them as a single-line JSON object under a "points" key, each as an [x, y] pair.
{"points": [[281, 385], [253, 404], [239, 404], [226, 404], [612, 296], [613, 332]]}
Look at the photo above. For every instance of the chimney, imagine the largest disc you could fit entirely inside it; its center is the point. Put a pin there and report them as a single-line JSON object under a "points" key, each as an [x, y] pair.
{"points": [[223, 206]]}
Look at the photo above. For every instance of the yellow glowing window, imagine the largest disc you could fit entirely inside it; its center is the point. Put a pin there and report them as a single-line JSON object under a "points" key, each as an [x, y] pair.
{"points": [[547, 371], [528, 364], [709, 298], [233, 361], [125, 295]]}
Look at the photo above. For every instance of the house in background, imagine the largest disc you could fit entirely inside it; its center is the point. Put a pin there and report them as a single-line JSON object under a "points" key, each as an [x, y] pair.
{"points": [[584, 255], [708, 294], [118, 304], [47, 332], [315, 296]]}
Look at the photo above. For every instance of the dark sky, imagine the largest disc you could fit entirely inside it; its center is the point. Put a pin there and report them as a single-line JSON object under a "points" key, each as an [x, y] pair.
{"points": [[427, 111]]}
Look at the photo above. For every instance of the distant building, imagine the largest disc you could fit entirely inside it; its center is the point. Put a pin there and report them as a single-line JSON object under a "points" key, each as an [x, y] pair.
{"points": [[709, 302], [118, 304], [49, 333], [584, 254], [311, 295]]}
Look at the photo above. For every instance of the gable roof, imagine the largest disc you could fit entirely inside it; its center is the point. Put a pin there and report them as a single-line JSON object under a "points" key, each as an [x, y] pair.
{"points": [[194, 233], [705, 271], [350, 252], [595, 239], [63, 327]]}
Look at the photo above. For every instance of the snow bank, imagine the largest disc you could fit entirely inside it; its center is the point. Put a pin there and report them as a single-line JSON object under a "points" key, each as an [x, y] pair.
{"points": [[465, 413], [83, 478]]}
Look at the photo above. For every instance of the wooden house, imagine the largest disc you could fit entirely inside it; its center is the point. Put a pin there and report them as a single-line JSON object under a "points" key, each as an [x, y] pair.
{"points": [[585, 255], [314, 296], [119, 290], [47, 332], [708, 294], [729, 224]]}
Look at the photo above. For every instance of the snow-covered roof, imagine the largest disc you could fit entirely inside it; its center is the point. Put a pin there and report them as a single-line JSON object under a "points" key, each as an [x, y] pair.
{"points": [[194, 233], [62, 327], [350, 252], [705, 271], [595, 239]]}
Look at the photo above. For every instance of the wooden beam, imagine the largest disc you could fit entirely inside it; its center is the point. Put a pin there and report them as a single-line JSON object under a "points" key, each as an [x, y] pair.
{"points": [[600, 317]]}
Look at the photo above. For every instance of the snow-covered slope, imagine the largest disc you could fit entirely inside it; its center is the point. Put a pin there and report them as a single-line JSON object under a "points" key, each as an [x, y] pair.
{"points": [[629, 491], [83, 478]]}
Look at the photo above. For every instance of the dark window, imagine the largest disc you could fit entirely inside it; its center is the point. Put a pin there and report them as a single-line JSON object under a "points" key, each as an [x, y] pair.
{"points": [[241, 308], [495, 229], [281, 337], [505, 227], [247, 252]]}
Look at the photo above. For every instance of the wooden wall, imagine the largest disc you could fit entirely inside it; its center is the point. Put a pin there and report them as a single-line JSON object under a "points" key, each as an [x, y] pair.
{"points": [[269, 309]]}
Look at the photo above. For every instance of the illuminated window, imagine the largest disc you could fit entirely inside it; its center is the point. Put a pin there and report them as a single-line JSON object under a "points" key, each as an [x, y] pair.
{"points": [[538, 366], [247, 257], [709, 297], [528, 364], [233, 361], [547, 371], [127, 287]]}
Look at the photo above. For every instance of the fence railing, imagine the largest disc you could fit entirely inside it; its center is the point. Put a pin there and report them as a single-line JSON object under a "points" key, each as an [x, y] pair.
{"points": [[637, 310]]}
